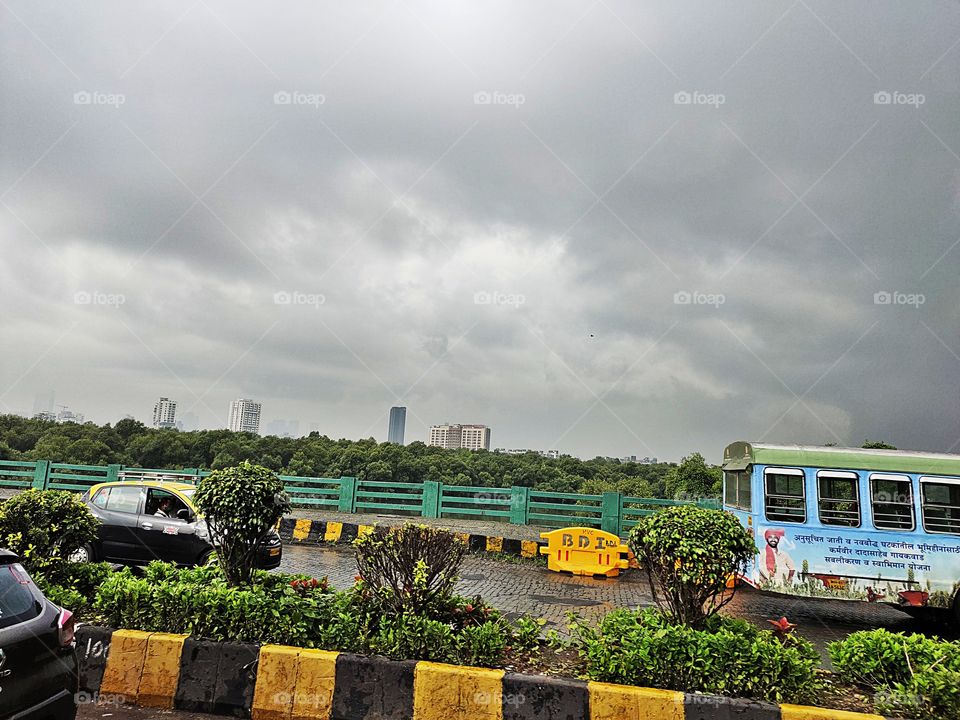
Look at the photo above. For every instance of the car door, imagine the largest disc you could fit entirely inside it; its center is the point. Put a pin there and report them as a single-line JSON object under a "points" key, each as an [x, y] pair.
{"points": [[118, 509], [169, 535]]}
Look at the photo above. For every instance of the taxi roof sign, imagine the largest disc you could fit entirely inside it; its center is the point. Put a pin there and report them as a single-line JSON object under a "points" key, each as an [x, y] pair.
{"points": [[584, 551]]}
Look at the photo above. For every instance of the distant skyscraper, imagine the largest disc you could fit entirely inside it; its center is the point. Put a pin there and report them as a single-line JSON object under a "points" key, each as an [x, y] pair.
{"points": [[165, 413], [470, 437], [398, 422], [244, 416]]}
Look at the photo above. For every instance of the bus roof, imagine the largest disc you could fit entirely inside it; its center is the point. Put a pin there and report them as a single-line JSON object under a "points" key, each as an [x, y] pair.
{"points": [[740, 455]]}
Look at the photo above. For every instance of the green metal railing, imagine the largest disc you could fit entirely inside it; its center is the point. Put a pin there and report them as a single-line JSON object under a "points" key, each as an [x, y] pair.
{"points": [[609, 511]]}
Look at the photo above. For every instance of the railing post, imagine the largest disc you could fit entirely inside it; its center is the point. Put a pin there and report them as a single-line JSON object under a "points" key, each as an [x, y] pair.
{"points": [[348, 492], [40, 474], [113, 473], [610, 513], [431, 499], [519, 499]]}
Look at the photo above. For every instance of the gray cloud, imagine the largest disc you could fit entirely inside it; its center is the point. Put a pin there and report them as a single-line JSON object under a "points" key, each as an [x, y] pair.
{"points": [[512, 257]]}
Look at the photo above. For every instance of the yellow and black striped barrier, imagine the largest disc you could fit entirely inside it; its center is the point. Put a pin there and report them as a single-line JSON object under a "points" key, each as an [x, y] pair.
{"points": [[277, 682], [307, 531]]}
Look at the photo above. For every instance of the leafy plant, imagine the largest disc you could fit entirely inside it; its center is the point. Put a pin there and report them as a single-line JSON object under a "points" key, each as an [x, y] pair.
{"points": [[880, 658], [931, 694], [688, 553], [410, 569], [241, 504], [526, 632], [725, 657], [414, 638], [45, 526], [482, 645]]}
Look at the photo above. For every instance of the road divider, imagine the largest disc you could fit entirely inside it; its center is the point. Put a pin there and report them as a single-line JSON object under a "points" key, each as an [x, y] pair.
{"points": [[306, 531], [278, 682]]}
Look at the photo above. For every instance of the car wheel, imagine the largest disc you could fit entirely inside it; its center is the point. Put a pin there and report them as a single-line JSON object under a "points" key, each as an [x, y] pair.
{"points": [[82, 554], [208, 558]]}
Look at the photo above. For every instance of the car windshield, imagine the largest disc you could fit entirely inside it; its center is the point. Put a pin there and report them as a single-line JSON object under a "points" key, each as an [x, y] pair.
{"points": [[17, 603]]}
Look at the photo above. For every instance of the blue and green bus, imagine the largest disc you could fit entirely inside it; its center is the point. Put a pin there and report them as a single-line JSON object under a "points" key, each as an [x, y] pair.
{"points": [[874, 525]]}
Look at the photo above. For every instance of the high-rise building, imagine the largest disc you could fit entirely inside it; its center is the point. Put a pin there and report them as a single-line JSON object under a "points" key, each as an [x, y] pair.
{"points": [[398, 422], [475, 437], [244, 416], [165, 413], [471, 437]]}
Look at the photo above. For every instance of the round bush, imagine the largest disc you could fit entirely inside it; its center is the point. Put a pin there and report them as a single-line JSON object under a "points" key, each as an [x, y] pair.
{"points": [[688, 554], [241, 505], [45, 526]]}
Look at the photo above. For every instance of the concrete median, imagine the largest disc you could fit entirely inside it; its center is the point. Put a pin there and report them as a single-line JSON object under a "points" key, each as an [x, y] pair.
{"points": [[278, 682]]}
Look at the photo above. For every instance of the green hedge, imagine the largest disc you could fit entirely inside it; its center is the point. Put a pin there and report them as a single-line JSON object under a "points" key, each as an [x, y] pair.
{"points": [[912, 676], [726, 657]]}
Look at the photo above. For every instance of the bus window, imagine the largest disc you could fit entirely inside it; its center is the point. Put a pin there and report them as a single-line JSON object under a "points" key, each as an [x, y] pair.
{"points": [[941, 506], [839, 498], [785, 498], [892, 500], [736, 489]]}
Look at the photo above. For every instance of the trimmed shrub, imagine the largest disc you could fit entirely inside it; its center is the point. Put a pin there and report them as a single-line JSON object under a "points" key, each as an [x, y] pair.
{"points": [[72, 585], [242, 505], [200, 601], [45, 526], [688, 553], [411, 569], [726, 657]]}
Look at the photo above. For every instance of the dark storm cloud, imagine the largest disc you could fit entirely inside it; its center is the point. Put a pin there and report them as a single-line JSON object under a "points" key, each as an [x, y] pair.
{"points": [[612, 229]]}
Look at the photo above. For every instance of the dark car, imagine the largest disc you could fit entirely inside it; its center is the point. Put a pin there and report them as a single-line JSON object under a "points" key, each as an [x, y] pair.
{"points": [[38, 662], [149, 520]]}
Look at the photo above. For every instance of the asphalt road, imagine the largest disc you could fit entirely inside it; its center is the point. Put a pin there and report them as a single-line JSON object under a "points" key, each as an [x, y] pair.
{"points": [[525, 588]]}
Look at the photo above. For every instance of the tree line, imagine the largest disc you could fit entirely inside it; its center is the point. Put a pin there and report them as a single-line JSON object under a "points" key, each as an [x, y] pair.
{"points": [[130, 442]]}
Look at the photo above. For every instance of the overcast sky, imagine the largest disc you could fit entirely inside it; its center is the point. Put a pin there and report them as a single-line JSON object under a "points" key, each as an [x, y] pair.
{"points": [[608, 228]]}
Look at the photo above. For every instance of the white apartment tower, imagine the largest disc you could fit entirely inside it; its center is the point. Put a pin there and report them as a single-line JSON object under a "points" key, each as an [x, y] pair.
{"points": [[244, 416], [165, 413], [452, 437]]}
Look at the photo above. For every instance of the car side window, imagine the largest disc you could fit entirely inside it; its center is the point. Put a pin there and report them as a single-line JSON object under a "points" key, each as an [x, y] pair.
{"points": [[100, 499], [164, 504], [124, 500]]}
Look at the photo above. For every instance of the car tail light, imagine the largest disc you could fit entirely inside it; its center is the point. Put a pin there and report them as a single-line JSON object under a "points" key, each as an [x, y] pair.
{"points": [[66, 625]]}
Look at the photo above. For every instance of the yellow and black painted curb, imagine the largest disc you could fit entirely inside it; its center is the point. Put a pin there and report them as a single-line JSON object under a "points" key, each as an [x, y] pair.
{"points": [[307, 531], [277, 682]]}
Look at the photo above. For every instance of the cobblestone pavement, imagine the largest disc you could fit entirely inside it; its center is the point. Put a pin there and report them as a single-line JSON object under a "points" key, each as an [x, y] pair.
{"points": [[526, 588]]}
